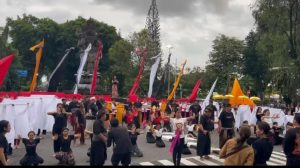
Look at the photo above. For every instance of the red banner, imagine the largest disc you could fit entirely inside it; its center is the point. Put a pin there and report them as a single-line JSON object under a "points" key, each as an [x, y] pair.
{"points": [[98, 56], [137, 80], [194, 93], [4, 66]]}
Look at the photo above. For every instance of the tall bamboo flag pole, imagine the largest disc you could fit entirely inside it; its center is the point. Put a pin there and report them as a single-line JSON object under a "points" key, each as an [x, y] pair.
{"points": [[38, 56], [176, 82]]}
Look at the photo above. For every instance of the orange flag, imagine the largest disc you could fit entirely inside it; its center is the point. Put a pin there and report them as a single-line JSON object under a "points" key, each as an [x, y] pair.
{"points": [[236, 92], [170, 97], [38, 56]]}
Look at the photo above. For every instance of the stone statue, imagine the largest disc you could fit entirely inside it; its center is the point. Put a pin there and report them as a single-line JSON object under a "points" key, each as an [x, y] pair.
{"points": [[115, 83]]}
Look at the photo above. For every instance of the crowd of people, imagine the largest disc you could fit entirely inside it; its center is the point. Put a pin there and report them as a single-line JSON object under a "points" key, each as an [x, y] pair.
{"points": [[253, 144]]}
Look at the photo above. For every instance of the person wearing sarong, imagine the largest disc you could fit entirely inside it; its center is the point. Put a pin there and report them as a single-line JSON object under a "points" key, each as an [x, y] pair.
{"points": [[149, 133], [4, 129], [31, 158], [186, 150], [195, 108], [178, 125], [59, 122], [133, 134], [72, 107], [90, 116], [158, 134], [204, 129], [81, 122], [98, 153], [65, 156], [226, 125]]}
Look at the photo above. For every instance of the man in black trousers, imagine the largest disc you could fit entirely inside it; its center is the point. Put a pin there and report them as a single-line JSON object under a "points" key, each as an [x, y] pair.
{"points": [[120, 137]]}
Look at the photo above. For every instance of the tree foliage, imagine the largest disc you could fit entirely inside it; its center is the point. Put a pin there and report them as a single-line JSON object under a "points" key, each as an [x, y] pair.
{"points": [[225, 61]]}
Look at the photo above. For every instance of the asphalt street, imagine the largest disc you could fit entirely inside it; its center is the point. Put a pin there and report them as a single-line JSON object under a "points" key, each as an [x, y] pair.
{"points": [[150, 151]]}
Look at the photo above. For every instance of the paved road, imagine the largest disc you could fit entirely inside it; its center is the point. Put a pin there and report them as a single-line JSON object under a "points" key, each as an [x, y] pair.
{"points": [[152, 154]]}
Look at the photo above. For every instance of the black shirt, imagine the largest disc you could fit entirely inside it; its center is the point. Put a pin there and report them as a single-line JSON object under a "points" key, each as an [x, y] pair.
{"points": [[4, 145], [206, 123], [119, 136], [133, 137], [65, 106], [214, 108], [86, 105], [263, 149], [258, 117], [94, 108], [99, 105], [168, 109], [276, 131], [195, 108], [31, 146], [98, 127], [72, 106], [136, 122], [227, 119], [80, 117], [59, 119], [289, 145], [65, 145]]}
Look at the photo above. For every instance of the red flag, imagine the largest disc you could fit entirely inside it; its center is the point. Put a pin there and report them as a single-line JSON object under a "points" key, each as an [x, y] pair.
{"points": [[137, 80], [4, 66], [194, 93], [98, 56]]}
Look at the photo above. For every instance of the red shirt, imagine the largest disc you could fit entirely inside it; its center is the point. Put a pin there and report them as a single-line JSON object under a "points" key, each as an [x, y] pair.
{"points": [[129, 119]]}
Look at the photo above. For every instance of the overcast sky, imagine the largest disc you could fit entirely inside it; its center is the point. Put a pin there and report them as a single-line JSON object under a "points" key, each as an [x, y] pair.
{"points": [[188, 25]]}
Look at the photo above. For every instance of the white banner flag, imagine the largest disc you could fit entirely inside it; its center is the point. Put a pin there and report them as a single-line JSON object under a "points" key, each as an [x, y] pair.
{"points": [[81, 66], [153, 74], [206, 101]]}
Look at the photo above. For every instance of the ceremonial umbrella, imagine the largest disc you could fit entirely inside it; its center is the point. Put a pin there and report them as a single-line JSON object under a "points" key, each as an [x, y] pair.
{"points": [[228, 96], [254, 98], [218, 97], [243, 97]]}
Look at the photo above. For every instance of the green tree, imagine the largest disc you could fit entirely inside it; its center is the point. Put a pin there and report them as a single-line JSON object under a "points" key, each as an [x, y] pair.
{"points": [[27, 30], [225, 61], [256, 65], [12, 81], [120, 60], [278, 30]]}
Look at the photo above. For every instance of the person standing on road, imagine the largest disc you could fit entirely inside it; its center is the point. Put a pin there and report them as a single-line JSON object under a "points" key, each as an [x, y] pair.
{"points": [[291, 143], [4, 129], [226, 125], [123, 147], [98, 147], [263, 147], [179, 126], [236, 151], [204, 129], [60, 117]]}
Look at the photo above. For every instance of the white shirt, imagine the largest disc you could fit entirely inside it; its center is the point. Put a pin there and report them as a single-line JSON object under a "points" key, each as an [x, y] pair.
{"points": [[190, 128], [297, 110], [178, 123], [269, 121], [148, 128], [158, 133]]}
